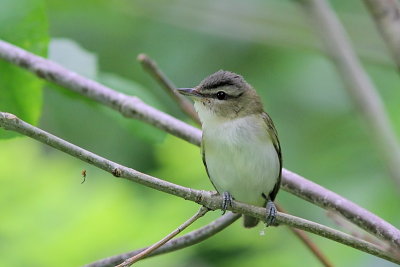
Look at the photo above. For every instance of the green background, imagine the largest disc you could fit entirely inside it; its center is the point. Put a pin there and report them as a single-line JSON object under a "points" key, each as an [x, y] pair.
{"points": [[50, 219]]}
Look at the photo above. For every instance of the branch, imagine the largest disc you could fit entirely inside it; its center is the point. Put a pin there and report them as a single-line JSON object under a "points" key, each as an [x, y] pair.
{"points": [[187, 240], [208, 199], [128, 105], [387, 17], [357, 82], [353, 230], [203, 210], [320, 196], [188, 108], [151, 67]]}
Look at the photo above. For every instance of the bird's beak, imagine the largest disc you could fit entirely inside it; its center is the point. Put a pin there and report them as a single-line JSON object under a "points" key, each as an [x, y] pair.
{"points": [[189, 92]]}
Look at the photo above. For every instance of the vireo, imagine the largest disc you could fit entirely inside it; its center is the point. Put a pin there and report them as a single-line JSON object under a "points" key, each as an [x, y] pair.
{"points": [[240, 146]]}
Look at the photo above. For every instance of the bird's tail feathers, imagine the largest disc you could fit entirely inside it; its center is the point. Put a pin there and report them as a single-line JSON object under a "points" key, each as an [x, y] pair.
{"points": [[249, 221]]}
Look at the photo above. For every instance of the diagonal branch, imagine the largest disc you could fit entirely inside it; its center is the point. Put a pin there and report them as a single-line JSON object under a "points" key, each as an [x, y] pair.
{"points": [[151, 67], [128, 262], [187, 240], [358, 84], [329, 200], [133, 107], [387, 17], [208, 199], [129, 106]]}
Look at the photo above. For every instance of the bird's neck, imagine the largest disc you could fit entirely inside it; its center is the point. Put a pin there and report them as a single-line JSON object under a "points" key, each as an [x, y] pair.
{"points": [[207, 116], [210, 117]]}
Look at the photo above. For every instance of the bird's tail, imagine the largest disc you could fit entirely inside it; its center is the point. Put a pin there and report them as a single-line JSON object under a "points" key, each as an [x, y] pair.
{"points": [[249, 221]]}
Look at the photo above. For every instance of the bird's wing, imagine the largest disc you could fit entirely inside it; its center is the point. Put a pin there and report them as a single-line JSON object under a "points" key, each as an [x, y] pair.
{"points": [[275, 141], [203, 156]]}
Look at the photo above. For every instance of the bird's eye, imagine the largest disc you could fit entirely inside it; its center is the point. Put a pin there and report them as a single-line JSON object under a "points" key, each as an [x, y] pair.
{"points": [[221, 95]]}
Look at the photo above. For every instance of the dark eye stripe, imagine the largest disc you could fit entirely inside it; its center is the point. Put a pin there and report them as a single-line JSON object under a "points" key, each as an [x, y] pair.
{"points": [[218, 84], [226, 96]]}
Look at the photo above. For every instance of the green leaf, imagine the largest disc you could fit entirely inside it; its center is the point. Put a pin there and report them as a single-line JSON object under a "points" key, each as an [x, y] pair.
{"points": [[22, 23], [72, 56]]}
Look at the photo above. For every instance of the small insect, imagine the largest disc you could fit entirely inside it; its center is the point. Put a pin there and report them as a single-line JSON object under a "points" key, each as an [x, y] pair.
{"points": [[83, 175]]}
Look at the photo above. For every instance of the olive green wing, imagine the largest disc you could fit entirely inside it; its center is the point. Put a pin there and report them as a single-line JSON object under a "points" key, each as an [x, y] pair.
{"points": [[275, 141], [203, 156]]}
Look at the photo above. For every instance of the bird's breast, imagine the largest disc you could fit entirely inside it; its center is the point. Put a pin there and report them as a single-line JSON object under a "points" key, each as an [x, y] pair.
{"points": [[241, 158]]}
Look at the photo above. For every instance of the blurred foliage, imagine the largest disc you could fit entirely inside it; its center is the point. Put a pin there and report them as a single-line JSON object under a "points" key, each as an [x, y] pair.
{"points": [[22, 23], [51, 219]]}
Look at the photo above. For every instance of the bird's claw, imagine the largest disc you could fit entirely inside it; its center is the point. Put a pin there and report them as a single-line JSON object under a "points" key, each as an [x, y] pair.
{"points": [[227, 201], [271, 213]]}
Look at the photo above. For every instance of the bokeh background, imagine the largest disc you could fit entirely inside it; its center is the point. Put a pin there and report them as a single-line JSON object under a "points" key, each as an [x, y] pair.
{"points": [[48, 218]]}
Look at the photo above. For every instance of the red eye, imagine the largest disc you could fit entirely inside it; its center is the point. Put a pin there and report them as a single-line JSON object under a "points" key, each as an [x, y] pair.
{"points": [[221, 95]]}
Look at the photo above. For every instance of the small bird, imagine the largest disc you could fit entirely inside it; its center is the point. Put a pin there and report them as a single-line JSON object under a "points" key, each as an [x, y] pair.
{"points": [[240, 147]]}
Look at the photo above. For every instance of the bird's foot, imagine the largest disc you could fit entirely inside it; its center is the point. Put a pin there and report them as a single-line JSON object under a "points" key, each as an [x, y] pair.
{"points": [[227, 201], [271, 213]]}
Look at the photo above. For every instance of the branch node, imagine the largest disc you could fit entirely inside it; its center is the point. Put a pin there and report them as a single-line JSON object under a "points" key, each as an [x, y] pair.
{"points": [[117, 172]]}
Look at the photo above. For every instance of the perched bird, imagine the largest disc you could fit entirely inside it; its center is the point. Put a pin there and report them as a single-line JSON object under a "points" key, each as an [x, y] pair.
{"points": [[240, 146]]}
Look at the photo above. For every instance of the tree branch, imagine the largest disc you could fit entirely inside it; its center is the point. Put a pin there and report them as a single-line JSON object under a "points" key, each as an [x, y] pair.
{"points": [[128, 105], [203, 210], [353, 230], [187, 240], [387, 18], [208, 199], [151, 67], [357, 82], [329, 200]]}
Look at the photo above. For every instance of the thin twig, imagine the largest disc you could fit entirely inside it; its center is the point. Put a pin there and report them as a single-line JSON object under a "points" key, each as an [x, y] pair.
{"points": [[203, 210], [133, 107], [387, 17], [188, 108], [308, 243], [151, 67], [208, 199], [184, 241], [358, 84]]}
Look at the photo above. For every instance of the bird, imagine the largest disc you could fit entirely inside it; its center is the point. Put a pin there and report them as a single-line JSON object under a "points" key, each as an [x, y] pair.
{"points": [[240, 146]]}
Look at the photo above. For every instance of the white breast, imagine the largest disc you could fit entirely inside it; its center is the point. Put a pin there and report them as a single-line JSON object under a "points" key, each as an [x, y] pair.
{"points": [[240, 157]]}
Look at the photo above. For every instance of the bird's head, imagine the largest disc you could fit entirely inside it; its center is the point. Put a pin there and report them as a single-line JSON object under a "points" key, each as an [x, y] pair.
{"points": [[224, 95]]}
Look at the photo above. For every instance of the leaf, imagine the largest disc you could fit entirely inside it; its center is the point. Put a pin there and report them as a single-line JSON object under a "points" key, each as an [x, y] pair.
{"points": [[22, 23], [72, 56]]}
